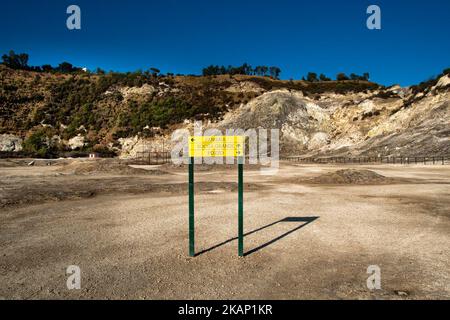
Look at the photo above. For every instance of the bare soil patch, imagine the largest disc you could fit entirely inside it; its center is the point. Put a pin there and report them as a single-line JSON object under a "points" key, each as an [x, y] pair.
{"points": [[22, 190], [105, 166]]}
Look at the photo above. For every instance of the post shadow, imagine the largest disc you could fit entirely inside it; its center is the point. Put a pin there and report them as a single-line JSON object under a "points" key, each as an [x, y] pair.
{"points": [[305, 220]]}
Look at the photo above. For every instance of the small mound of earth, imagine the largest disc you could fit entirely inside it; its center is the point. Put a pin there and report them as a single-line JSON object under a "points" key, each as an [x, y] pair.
{"points": [[105, 166], [351, 176]]}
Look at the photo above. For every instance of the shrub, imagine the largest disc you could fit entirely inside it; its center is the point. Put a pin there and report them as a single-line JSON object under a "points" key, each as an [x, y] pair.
{"points": [[39, 144]]}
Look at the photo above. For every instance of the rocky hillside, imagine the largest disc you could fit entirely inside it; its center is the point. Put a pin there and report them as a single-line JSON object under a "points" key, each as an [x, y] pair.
{"points": [[48, 114], [392, 121]]}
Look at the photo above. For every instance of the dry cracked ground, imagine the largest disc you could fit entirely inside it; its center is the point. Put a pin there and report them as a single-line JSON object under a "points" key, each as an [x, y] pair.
{"points": [[312, 231]]}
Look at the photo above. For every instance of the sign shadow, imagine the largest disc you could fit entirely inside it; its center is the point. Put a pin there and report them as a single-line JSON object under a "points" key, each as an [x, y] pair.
{"points": [[303, 220]]}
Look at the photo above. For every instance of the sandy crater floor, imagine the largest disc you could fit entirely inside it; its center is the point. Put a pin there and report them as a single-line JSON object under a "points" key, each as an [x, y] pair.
{"points": [[128, 234]]}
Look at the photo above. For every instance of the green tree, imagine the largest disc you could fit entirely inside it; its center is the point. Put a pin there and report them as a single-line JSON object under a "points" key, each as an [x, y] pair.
{"points": [[65, 67], [274, 72], [264, 70], [47, 68], [323, 77], [341, 77], [312, 77], [155, 71], [16, 61], [247, 69]]}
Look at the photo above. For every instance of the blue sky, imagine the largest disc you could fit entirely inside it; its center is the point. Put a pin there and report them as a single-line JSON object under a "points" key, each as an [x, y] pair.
{"points": [[183, 36]]}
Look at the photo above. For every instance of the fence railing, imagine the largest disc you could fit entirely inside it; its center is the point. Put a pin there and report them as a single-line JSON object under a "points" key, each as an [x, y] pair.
{"points": [[437, 160], [152, 157]]}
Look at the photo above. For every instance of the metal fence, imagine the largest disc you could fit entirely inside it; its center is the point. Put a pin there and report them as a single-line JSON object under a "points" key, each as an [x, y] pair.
{"points": [[438, 160], [152, 157]]}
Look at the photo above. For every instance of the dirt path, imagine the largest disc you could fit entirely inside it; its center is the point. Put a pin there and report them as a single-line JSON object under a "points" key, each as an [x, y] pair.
{"points": [[303, 241]]}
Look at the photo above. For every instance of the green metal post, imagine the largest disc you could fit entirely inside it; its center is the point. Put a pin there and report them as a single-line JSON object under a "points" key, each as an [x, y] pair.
{"points": [[241, 206], [191, 208]]}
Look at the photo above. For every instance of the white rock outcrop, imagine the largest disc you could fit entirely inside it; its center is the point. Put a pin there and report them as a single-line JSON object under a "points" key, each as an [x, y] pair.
{"points": [[443, 82], [10, 143], [146, 89], [245, 86], [76, 142]]}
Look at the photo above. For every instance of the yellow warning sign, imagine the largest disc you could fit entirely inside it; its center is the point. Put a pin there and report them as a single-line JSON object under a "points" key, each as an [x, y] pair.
{"points": [[216, 146]]}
